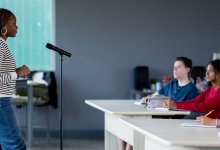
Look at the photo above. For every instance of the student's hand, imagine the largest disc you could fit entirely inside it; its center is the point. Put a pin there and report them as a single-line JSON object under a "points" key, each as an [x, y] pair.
{"points": [[206, 120], [169, 104], [23, 71], [144, 100]]}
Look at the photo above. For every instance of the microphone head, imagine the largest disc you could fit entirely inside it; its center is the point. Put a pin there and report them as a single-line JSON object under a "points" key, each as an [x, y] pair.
{"points": [[48, 45], [62, 52]]}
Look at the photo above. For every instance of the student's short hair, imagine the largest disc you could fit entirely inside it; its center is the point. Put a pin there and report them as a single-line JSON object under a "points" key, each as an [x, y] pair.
{"points": [[5, 14], [216, 65], [186, 61]]}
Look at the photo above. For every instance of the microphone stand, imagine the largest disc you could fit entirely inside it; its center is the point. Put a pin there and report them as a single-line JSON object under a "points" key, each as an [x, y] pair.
{"points": [[61, 52], [61, 101]]}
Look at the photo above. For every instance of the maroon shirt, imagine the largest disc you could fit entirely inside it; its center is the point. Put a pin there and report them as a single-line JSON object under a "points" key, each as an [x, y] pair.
{"points": [[205, 102]]}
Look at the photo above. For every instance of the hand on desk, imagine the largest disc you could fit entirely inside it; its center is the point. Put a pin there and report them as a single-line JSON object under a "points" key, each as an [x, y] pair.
{"points": [[23, 71], [169, 104], [144, 100], [206, 120]]}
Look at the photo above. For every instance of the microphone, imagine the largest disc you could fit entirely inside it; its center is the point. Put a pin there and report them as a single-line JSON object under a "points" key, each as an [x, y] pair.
{"points": [[62, 52]]}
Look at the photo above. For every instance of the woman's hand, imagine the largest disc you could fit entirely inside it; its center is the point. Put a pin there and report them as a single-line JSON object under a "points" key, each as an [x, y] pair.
{"points": [[169, 104], [206, 120], [23, 71]]}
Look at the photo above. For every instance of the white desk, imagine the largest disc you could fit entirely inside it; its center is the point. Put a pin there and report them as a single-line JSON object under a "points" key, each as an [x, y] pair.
{"points": [[168, 134], [114, 109], [29, 87]]}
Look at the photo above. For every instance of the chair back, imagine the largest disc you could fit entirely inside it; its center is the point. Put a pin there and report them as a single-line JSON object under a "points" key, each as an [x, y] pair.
{"points": [[198, 71]]}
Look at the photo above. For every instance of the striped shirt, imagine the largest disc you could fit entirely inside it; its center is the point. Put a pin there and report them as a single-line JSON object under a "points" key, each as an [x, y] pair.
{"points": [[8, 75]]}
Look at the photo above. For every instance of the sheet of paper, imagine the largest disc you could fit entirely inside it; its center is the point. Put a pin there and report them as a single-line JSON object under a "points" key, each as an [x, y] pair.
{"points": [[139, 103], [195, 124], [162, 108]]}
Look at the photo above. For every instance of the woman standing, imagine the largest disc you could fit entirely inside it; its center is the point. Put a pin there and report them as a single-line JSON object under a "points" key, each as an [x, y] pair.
{"points": [[10, 136]]}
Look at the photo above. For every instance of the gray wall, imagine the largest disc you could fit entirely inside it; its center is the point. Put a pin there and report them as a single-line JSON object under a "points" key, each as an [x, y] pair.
{"points": [[109, 38]]}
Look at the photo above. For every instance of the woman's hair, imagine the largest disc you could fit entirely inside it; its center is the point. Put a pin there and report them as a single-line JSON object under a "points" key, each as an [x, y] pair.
{"points": [[5, 14], [186, 61], [215, 64]]}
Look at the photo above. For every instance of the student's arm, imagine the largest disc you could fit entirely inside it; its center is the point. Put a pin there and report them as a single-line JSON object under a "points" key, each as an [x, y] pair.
{"points": [[200, 103], [196, 99], [144, 99], [162, 91], [185, 104], [165, 88], [192, 93], [5, 77]]}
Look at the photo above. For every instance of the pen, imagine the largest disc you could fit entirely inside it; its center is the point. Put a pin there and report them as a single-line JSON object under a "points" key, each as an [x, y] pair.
{"points": [[164, 102], [147, 99], [208, 113]]}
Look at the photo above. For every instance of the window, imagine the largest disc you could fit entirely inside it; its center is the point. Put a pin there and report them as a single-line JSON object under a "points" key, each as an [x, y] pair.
{"points": [[36, 27]]}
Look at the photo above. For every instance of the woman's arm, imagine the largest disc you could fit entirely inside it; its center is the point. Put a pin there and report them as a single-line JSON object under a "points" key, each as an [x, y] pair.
{"points": [[184, 105], [200, 105], [5, 77]]}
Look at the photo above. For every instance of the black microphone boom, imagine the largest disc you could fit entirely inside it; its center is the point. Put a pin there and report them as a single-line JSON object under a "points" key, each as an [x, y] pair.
{"points": [[62, 52]]}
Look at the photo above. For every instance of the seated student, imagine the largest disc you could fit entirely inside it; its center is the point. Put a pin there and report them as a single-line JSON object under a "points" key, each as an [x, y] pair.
{"points": [[181, 88], [207, 100]]}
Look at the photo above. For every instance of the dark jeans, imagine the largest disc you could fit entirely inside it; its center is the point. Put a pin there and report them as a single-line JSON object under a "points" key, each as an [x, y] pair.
{"points": [[10, 135]]}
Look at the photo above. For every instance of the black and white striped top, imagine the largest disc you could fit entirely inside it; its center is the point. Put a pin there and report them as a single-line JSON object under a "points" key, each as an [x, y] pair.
{"points": [[8, 75]]}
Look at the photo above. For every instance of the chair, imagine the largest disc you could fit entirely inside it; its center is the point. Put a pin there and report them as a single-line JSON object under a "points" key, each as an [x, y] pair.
{"points": [[198, 71], [44, 93]]}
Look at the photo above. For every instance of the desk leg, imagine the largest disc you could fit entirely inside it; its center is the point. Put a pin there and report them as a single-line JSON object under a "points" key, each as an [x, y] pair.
{"points": [[30, 110], [110, 139], [107, 140], [139, 141]]}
